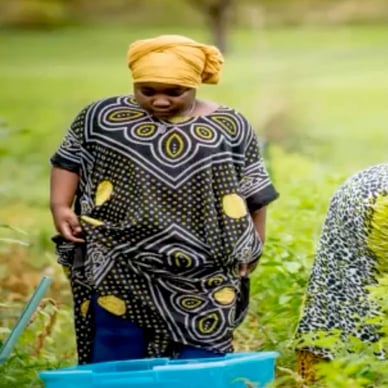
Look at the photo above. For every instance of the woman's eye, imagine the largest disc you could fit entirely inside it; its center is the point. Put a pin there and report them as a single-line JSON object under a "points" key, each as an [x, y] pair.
{"points": [[168, 92], [175, 92], [148, 92]]}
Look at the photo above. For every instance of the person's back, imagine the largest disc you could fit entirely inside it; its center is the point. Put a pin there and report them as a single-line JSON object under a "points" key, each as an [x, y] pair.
{"points": [[341, 313]]}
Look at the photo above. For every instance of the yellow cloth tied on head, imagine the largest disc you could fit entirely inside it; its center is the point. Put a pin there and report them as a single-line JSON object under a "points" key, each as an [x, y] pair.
{"points": [[174, 59]]}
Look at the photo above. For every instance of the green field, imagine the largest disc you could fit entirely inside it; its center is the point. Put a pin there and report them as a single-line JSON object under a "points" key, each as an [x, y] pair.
{"points": [[317, 95]]}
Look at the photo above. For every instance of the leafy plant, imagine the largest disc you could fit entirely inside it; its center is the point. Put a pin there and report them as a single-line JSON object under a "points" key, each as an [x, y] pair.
{"points": [[13, 240]]}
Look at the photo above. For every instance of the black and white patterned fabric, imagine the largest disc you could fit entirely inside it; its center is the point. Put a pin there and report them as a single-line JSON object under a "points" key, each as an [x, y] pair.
{"points": [[165, 207], [343, 310]]}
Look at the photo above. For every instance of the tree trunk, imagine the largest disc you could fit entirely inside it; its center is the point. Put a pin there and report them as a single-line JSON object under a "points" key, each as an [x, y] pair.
{"points": [[218, 13], [219, 19]]}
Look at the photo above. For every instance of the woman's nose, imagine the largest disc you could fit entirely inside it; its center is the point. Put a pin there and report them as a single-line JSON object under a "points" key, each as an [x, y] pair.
{"points": [[161, 102]]}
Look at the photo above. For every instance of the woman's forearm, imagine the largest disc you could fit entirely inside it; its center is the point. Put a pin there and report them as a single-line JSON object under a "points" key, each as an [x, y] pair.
{"points": [[63, 187], [258, 218]]}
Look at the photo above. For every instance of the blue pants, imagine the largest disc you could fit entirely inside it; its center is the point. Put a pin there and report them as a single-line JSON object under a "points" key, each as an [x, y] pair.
{"points": [[116, 339]]}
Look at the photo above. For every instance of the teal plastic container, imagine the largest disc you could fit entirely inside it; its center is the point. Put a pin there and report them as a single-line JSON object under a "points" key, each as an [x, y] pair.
{"points": [[235, 370]]}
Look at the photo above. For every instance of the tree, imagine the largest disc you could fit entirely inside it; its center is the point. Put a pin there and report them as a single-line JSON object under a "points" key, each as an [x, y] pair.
{"points": [[218, 14]]}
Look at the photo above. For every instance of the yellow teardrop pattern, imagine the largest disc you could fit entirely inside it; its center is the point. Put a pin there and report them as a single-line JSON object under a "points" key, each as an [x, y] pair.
{"points": [[215, 281], [225, 295], [132, 100], [174, 146], [103, 192], [234, 206], [121, 115], [208, 324], [182, 260], [191, 303], [226, 123], [203, 132], [92, 221], [113, 304], [84, 308], [145, 130]]}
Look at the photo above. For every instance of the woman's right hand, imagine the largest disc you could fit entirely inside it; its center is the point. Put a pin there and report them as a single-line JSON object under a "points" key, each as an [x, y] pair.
{"points": [[67, 224]]}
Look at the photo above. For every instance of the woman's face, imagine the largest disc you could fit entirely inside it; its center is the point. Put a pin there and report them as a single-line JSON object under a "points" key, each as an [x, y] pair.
{"points": [[164, 100]]}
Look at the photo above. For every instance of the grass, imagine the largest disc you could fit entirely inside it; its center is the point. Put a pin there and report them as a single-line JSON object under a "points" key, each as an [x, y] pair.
{"points": [[317, 94]]}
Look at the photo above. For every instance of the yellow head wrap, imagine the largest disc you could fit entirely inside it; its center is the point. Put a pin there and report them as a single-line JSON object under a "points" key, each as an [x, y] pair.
{"points": [[174, 59]]}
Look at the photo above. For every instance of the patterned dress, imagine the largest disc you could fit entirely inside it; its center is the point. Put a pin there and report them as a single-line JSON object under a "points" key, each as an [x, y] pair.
{"points": [[346, 305], [165, 209]]}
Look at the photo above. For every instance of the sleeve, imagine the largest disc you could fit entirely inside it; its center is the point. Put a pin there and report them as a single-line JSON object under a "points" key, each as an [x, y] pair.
{"points": [[68, 154], [255, 185]]}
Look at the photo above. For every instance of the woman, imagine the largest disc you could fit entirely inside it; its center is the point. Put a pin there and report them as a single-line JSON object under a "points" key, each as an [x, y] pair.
{"points": [[169, 212], [344, 311]]}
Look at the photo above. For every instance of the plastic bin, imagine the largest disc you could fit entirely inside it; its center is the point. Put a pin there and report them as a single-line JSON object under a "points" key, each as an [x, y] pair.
{"points": [[249, 369]]}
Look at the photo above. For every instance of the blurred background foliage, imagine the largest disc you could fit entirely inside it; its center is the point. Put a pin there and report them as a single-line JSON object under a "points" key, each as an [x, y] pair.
{"points": [[216, 15], [51, 13]]}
